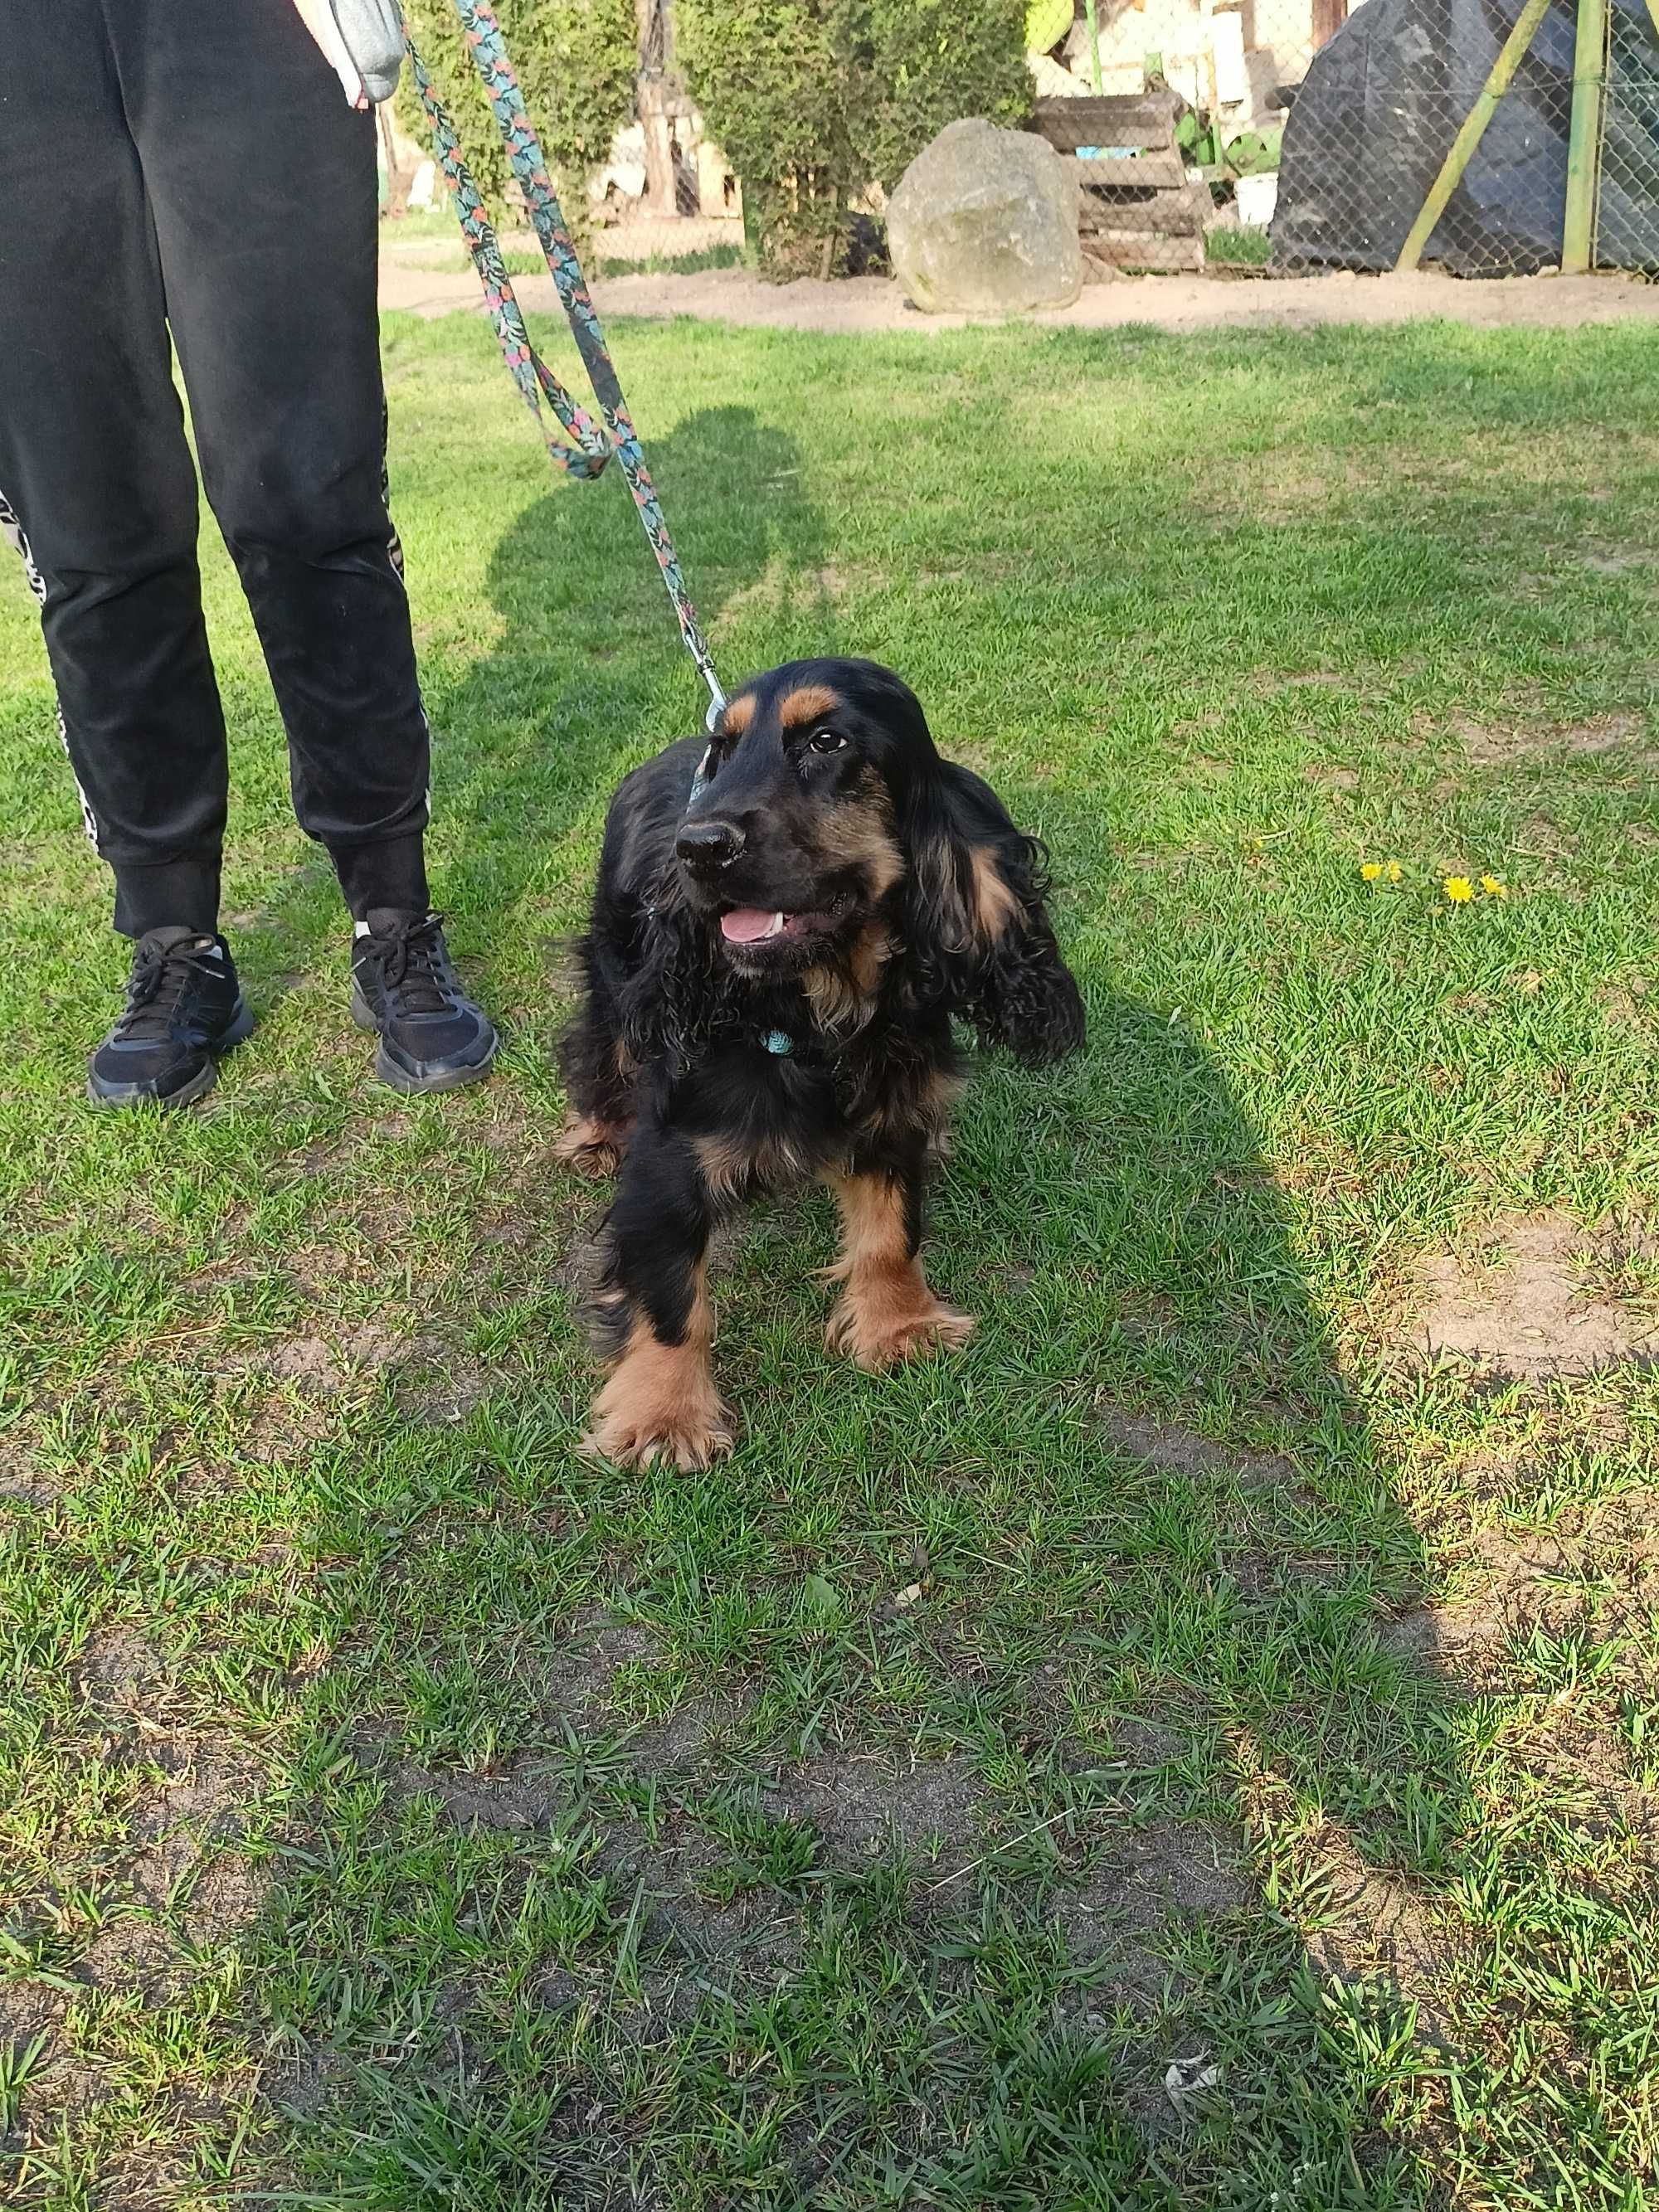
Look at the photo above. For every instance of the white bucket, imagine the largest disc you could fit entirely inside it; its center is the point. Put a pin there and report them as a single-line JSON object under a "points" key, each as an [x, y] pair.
{"points": [[1255, 198]]}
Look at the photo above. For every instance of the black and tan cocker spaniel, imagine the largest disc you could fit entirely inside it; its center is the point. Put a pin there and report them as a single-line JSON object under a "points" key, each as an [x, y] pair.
{"points": [[783, 928]]}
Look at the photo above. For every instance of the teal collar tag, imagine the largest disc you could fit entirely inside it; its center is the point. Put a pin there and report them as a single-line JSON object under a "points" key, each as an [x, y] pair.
{"points": [[779, 1044]]}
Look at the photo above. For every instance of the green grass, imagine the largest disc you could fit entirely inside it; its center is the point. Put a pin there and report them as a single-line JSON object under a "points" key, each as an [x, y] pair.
{"points": [[397, 1812], [664, 264], [1240, 244]]}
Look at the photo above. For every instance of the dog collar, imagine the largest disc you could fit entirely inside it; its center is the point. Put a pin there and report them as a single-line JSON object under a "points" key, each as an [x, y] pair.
{"points": [[779, 1044]]}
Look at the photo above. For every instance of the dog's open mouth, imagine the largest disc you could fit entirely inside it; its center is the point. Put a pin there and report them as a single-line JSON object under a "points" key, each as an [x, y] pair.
{"points": [[752, 927]]}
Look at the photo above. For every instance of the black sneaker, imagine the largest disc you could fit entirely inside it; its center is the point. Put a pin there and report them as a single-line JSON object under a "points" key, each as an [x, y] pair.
{"points": [[432, 1036], [185, 1007]]}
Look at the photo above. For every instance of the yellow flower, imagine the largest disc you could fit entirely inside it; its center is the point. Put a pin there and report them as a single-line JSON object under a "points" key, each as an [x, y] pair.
{"points": [[1370, 870], [1459, 890], [1393, 872], [1494, 887]]}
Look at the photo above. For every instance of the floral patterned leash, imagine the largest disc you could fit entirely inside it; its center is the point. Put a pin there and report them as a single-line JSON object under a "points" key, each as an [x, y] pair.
{"points": [[591, 445]]}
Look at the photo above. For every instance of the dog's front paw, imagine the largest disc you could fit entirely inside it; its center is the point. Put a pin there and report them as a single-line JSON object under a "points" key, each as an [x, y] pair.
{"points": [[875, 1332], [589, 1147], [688, 1442], [652, 1410]]}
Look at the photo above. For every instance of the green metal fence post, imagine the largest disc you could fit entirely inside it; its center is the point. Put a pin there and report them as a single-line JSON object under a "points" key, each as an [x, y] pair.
{"points": [[1474, 123], [1589, 62], [1091, 16]]}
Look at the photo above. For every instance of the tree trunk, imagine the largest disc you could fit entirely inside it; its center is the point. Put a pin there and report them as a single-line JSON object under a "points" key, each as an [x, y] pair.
{"points": [[400, 171], [652, 101], [1329, 17]]}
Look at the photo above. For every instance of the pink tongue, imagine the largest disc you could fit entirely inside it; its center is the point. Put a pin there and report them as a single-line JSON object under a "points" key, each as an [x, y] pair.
{"points": [[745, 925]]}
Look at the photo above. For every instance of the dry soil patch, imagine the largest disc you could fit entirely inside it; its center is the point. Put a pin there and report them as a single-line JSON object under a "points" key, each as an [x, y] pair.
{"points": [[1521, 1298]]}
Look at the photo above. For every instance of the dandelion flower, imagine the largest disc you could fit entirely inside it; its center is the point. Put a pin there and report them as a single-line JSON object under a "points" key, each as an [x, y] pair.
{"points": [[1393, 872], [1459, 890], [1370, 870], [1494, 887]]}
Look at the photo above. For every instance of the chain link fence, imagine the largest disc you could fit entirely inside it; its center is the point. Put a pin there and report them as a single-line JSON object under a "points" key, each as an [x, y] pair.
{"points": [[1291, 138], [1627, 200]]}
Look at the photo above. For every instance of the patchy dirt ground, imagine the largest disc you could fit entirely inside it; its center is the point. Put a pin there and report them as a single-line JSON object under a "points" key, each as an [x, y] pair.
{"points": [[1594, 1577], [1491, 744], [1526, 1296], [1374, 1924], [725, 1870], [1170, 303]]}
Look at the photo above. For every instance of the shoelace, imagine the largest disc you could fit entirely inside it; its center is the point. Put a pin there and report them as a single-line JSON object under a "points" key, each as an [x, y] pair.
{"points": [[412, 961], [161, 977]]}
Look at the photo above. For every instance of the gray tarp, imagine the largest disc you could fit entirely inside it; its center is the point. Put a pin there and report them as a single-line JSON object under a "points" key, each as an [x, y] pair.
{"points": [[1379, 108]]}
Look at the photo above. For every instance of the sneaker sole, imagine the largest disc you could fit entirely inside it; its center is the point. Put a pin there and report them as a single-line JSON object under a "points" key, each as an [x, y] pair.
{"points": [[241, 1028], [387, 1071]]}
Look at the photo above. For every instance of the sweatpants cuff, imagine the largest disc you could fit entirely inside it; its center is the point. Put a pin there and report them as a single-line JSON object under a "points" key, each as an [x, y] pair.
{"points": [[392, 873], [182, 894]]}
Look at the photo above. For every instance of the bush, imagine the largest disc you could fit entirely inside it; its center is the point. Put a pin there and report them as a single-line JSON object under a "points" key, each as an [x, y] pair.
{"points": [[576, 61], [815, 100]]}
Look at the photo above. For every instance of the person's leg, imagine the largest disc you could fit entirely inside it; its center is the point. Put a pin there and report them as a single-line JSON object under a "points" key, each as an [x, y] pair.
{"points": [[96, 487], [262, 181]]}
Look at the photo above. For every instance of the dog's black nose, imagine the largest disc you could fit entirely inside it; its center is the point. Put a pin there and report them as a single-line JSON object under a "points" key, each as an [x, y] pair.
{"points": [[712, 844]]}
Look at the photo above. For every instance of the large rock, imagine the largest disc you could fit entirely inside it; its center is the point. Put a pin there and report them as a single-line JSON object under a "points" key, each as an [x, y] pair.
{"points": [[984, 222]]}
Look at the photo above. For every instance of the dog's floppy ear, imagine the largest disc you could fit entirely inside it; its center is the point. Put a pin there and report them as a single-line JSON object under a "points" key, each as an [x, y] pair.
{"points": [[674, 995], [978, 933]]}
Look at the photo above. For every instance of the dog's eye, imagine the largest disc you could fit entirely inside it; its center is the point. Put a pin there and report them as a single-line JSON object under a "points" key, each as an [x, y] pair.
{"points": [[826, 741]]}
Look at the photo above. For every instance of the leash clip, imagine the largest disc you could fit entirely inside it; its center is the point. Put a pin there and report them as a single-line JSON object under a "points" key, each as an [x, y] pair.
{"points": [[711, 723]]}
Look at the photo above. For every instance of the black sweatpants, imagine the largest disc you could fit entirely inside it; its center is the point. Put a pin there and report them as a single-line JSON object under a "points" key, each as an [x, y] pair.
{"points": [[192, 166]]}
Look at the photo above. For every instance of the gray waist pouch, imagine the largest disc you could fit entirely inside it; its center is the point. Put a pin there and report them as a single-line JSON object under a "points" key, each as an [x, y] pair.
{"points": [[373, 34]]}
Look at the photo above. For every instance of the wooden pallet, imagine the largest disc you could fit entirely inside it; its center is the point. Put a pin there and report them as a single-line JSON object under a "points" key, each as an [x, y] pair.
{"points": [[1135, 207]]}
